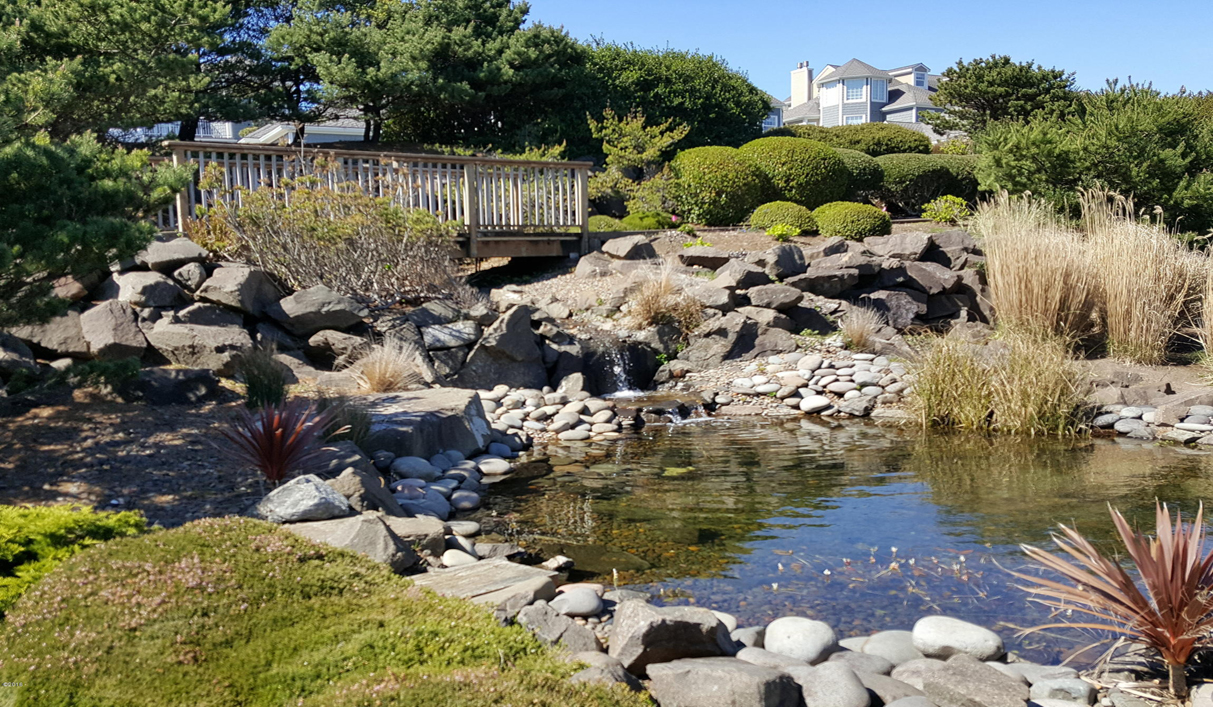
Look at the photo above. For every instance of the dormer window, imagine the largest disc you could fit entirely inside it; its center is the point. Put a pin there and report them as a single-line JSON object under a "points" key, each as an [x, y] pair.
{"points": [[880, 91], [920, 79], [854, 89]]}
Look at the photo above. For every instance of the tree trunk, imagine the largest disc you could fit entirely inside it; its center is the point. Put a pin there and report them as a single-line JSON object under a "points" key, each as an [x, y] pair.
{"points": [[300, 133], [1177, 680], [188, 130], [366, 130]]}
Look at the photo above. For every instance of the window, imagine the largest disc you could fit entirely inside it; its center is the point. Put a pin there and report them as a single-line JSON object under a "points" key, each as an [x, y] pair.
{"points": [[854, 89], [880, 90], [920, 79], [853, 119], [829, 94]]}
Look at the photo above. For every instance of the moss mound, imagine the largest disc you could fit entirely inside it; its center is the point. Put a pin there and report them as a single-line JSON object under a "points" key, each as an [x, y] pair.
{"points": [[715, 186], [867, 175], [801, 171], [852, 221], [783, 212], [647, 221], [600, 223], [239, 612]]}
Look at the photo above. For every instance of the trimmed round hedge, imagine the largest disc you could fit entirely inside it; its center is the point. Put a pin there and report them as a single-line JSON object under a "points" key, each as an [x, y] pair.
{"points": [[801, 171], [874, 139], [911, 181], [783, 212], [647, 221], [601, 223], [852, 221], [715, 186], [867, 175]]}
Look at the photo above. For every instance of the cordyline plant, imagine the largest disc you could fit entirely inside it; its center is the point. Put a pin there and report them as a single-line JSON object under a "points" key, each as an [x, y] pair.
{"points": [[278, 439], [1175, 614]]}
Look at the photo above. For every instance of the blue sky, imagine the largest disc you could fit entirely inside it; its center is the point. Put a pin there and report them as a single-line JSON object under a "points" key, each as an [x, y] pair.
{"points": [[1164, 41]]}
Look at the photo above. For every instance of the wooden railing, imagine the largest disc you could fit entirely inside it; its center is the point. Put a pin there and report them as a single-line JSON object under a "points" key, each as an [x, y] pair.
{"points": [[491, 198]]}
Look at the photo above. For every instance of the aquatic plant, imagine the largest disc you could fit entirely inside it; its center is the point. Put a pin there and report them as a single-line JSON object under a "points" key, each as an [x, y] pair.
{"points": [[1174, 615], [278, 439]]}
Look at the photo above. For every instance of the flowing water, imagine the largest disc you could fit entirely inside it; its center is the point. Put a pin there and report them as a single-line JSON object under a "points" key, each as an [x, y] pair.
{"points": [[866, 527]]}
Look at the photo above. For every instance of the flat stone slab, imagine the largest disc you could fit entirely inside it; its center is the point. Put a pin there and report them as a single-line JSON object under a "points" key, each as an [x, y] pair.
{"points": [[422, 423], [486, 576]]}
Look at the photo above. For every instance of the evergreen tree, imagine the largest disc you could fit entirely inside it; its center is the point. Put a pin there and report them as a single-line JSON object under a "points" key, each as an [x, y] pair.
{"points": [[984, 91]]}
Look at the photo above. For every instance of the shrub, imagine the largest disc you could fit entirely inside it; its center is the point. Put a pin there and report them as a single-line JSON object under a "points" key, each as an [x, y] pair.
{"points": [[316, 230], [698, 242], [605, 224], [1028, 384], [859, 328], [910, 181], [278, 439], [715, 186], [867, 176], [955, 147], [783, 212], [782, 232], [661, 300], [687, 229], [802, 171], [874, 139], [34, 540], [647, 221], [388, 367], [946, 209], [264, 377], [235, 611], [852, 221], [112, 376]]}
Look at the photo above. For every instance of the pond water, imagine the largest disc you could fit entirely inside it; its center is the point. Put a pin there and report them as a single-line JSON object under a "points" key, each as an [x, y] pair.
{"points": [[862, 526]]}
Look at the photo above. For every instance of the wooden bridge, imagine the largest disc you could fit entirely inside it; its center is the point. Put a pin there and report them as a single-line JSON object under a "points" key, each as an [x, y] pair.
{"points": [[506, 208]]}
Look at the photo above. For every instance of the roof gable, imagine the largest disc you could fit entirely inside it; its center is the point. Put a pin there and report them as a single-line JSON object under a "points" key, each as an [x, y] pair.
{"points": [[853, 69]]}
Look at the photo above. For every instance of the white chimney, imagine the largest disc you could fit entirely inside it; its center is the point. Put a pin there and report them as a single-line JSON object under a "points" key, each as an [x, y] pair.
{"points": [[802, 84]]}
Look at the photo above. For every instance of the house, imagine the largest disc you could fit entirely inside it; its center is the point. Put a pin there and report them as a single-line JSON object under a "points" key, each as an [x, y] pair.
{"points": [[856, 92], [774, 119], [276, 133]]}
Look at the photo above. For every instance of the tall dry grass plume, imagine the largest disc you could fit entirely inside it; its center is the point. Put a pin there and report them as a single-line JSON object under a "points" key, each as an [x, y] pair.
{"points": [[1024, 382], [859, 328], [389, 367], [1039, 271], [1146, 277], [661, 299]]}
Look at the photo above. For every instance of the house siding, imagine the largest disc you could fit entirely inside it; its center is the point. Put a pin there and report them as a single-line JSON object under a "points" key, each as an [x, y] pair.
{"points": [[829, 115], [901, 116], [858, 108]]}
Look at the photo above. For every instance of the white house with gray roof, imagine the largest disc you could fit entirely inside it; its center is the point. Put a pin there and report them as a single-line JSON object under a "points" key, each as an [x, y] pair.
{"points": [[856, 92]]}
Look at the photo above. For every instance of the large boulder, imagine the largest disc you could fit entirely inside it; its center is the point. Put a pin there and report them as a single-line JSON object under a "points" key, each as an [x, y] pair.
{"points": [[944, 636], [931, 278], [507, 353], [865, 265], [740, 275], [15, 355], [143, 289], [781, 262], [426, 534], [448, 336], [629, 248], [241, 287], [207, 315], [61, 336], [190, 276], [809, 319], [703, 256], [720, 682], [422, 423], [334, 348], [954, 239], [433, 313], [825, 282], [902, 246], [552, 627], [722, 339], [177, 386], [603, 670], [645, 634], [592, 265], [897, 647], [822, 248], [365, 491], [777, 297], [365, 534], [302, 498], [309, 311], [112, 332], [709, 296], [199, 346], [899, 306], [965, 681], [168, 255], [772, 341]]}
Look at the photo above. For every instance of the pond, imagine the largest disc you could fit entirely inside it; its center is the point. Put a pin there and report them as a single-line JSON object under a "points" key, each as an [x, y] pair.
{"points": [[865, 527]]}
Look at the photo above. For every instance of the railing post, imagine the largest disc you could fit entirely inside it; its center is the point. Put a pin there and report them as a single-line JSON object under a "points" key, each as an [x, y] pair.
{"points": [[583, 207], [182, 201], [472, 205]]}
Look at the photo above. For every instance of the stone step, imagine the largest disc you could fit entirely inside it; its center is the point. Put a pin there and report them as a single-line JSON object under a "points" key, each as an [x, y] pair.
{"points": [[486, 576]]}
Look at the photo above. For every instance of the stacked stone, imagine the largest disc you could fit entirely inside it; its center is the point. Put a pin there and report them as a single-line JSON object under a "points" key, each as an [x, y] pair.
{"points": [[851, 384]]}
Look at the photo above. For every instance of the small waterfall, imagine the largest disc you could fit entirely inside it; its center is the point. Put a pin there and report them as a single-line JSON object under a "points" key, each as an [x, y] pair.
{"points": [[617, 368], [618, 365]]}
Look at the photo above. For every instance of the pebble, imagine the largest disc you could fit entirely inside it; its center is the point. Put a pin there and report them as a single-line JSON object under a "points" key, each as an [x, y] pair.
{"points": [[415, 468], [457, 558], [463, 500], [574, 435], [1127, 425], [458, 542], [578, 602], [841, 387], [1130, 413], [465, 528], [814, 403], [493, 466]]}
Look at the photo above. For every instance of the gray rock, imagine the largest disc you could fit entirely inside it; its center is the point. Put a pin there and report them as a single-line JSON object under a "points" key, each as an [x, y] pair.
{"points": [[335, 348], [507, 353], [722, 339], [863, 662], [955, 238], [15, 355], [645, 634], [463, 500], [902, 246], [886, 688], [800, 638], [825, 282], [177, 386], [603, 670], [1126, 425], [1034, 673], [551, 627], [309, 311], [458, 558], [1105, 421], [112, 332], [720, 682], [434, 313], [813, 404], [767, 659], [911, 702], [168, 255], [629, 248], [578, 602], [365, 491], [62, 335], [206, 315], [302, 498], [777, 297], [858, 407], [703, 257], [931, 278], [831, 685], [364, 534], [739, 275], [822, 248], [965, 682], [425, 534], [900, 307], [1072, 689], [865, 265], [783, 261], [943, 637], [143, 289], [897, 647], [190, 276], [197, 346], [592, 265], [448, 336], [914, 672], [415, 468], [710, 296], [750, 636], [240, 287]]}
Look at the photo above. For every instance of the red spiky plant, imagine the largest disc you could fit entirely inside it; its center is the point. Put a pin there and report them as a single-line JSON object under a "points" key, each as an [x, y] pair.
{"points": [[1174, 615], [278, 439]]}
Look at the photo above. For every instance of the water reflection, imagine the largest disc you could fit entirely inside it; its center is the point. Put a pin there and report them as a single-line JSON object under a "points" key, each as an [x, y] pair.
{"points": [[866, 527]]}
